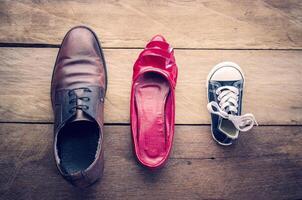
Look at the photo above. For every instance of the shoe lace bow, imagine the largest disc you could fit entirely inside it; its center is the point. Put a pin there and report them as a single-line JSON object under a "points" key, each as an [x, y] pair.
{"points": [[228, 106]]}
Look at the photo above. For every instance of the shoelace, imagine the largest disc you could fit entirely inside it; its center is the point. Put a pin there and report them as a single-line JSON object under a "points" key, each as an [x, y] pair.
{"points": [[228, 100], [76, 97]]}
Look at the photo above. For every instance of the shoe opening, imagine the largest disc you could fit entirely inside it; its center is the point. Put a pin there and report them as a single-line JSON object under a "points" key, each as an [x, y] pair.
{"points": [[77, 144]]}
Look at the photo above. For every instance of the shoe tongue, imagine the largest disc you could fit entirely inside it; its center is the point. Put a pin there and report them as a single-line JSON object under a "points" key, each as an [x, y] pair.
{"points": [[227, 83], [80, 116]]}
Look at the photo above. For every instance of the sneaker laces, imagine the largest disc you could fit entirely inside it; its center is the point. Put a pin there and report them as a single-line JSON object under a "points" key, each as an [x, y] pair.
{"points": [[228, 103]]}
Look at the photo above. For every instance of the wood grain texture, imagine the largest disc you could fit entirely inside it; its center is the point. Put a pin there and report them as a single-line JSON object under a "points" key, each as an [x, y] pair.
{"points": [[264, 164], [187, 24], [272, 92]]}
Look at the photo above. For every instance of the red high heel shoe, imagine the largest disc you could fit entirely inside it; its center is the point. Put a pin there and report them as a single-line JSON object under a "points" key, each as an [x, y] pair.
{"points": [[152, 106]]}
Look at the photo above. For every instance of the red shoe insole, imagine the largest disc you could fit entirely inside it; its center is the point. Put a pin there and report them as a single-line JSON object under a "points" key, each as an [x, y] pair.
{"points": [[151, 94]]}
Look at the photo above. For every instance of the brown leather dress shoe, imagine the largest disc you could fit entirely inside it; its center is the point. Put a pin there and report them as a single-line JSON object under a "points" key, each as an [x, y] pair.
{"points": [[78, 90]]}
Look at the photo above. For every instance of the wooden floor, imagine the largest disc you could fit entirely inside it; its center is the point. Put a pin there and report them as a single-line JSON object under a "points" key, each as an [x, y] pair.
{"points": [[263, 36]]}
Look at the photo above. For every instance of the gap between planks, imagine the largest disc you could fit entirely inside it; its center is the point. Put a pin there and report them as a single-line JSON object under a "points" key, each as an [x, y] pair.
{"points": [[128, 124], [45, 45]]}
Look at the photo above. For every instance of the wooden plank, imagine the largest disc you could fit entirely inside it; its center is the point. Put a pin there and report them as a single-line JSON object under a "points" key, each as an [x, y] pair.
{"points": [[273, 92], [264, 164], [189, 24]]}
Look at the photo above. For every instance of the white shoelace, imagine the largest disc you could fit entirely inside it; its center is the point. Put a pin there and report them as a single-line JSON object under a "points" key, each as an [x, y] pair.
{"points": [[228, 98]]}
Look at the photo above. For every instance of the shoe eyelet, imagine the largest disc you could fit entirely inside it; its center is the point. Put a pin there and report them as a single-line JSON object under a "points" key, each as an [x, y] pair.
{"points": [[87, 90], [70, 93]]}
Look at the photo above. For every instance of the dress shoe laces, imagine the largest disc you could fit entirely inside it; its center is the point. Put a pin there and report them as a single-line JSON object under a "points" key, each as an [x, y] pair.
{"points": [[76, 99]]}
